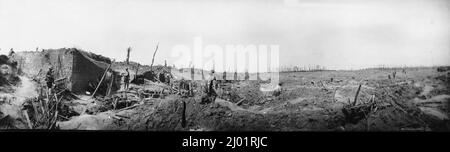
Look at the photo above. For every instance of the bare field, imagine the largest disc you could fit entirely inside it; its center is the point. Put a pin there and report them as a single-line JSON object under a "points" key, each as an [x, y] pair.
{"points": [[417, 100]]}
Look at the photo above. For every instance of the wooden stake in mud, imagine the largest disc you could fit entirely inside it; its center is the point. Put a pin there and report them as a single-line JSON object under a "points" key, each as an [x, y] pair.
{"points": [[25, 112], [128, 55], [153, 59], [101, 80], [53, 121], [203, 76], [356, 96], [110, 85], [183, 115]]}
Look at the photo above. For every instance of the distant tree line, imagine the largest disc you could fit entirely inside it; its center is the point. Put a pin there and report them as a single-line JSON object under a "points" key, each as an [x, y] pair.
{"points": [[396, 68], [297, 68]]}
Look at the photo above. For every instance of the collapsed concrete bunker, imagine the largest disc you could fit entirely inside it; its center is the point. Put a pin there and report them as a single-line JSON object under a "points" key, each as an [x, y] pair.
{"points": [[78, 71]]}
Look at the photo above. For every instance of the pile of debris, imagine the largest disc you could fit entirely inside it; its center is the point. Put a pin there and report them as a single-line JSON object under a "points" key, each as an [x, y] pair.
{"points": [[443, 68], [43, 112], [388, 106], [33, 105]]}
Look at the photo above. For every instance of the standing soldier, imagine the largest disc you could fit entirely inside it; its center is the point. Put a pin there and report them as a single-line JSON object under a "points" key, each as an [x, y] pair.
{"points": [[246, 75], [211, 92], [168, 78], [126, 79], [11, 52], [50, 79], [224, 76], [162, 77]]}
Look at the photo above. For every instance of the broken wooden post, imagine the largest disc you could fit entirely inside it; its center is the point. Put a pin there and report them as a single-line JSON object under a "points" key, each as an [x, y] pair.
{"points": [[183, 115], [25, 112], [203, 76], [128, 55], [193, 73], [53, 120], [240, 101], [110, 86], [356, 96], [246, 75], [224, 75], [153, 59], [257, 75], [101, 80]]}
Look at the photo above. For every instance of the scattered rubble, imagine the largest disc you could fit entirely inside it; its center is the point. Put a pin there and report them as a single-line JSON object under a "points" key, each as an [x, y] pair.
{"points": [[89, 95]]}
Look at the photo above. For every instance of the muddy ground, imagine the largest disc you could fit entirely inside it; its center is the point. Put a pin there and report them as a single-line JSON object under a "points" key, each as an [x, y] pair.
{"points": [[417, 100]]}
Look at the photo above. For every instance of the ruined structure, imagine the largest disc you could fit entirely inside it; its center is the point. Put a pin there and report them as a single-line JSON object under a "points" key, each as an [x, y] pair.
{"points": [[8, 71], [78, 69]]}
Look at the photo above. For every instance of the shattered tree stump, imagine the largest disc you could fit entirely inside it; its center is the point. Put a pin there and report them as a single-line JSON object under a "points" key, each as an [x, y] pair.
{"points": [[354, 113]]}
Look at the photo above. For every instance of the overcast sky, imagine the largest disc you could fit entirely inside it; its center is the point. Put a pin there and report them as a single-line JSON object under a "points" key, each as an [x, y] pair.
{"points": [[338, 34]]}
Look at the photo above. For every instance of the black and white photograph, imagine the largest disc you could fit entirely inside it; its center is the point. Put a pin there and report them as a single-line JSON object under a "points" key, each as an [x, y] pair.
{"points": [[225, 66]]}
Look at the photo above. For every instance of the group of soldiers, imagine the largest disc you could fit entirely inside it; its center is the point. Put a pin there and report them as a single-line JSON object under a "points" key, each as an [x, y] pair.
{"points": [[395, 73], [163, 77], [187, 88]]}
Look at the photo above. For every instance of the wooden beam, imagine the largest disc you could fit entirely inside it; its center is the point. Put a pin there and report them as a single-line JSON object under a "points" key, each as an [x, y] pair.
{"points": [[128, 55], [356, 96], [28, 119], [108, 91], [153, 59], [240, 101], [101, 80]]}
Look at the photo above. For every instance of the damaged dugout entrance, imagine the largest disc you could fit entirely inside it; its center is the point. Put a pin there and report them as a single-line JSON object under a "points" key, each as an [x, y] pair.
{"points": [[78, 70]]}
